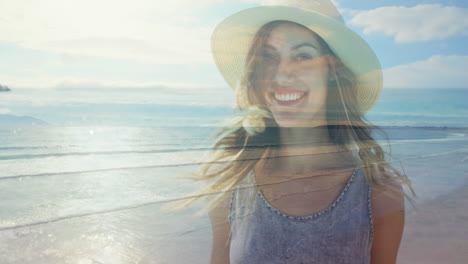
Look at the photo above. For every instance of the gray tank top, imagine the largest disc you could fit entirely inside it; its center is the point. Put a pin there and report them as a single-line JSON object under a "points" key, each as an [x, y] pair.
{"points": [[341, 233]]}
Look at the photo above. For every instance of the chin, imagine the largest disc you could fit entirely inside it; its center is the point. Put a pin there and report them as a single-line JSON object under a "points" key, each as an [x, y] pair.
{"points": [[304, 123]]}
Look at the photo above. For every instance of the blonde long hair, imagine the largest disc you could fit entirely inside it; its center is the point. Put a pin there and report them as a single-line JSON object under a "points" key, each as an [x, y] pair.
{"points": [[240, 145]]}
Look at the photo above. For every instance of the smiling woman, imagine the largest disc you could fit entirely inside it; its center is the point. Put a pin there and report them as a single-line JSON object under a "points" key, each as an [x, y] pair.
{"points": [[128, 91], [309, 184], [295, 75]]}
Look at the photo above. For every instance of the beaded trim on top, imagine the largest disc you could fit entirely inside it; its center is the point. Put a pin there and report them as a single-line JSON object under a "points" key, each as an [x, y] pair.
{"points": [[315, 215]]}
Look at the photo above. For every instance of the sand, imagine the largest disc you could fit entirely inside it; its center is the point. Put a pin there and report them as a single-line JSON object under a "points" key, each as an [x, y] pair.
{"points": [[437, 232]]}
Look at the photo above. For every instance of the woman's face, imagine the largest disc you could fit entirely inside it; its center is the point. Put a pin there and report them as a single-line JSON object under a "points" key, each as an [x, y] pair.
{"points": [[295, 77]]}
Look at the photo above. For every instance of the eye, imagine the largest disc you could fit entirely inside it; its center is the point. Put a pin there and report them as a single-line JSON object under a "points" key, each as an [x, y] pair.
{"points": [[303, 56], [269, 56]]}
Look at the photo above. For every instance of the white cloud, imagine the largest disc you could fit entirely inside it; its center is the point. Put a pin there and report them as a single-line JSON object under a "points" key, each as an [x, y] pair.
{"points": [[89, 84], [435, 72], [89, 91], [145, 30], [52, 82], [413, 24], [148, 31], [279, 2], [4, 111], [15, 81], [219, 96]]}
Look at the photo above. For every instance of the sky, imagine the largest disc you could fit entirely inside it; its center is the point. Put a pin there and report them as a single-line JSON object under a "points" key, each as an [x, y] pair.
{"points": [[63, 52]]}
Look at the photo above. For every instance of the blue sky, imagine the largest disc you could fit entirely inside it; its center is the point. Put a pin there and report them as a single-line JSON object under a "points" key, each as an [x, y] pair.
{"points": [[63, 52]]}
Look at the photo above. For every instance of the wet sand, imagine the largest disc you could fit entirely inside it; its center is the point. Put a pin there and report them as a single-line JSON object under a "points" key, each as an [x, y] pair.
{"points": [[437, 232]]}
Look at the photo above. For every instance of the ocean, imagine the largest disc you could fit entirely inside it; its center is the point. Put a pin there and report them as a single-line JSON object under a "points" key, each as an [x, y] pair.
{"points": [[396, 107], [93, 193]]}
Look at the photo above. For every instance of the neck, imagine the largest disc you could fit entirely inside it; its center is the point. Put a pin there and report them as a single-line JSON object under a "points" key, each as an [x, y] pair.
{"points": [[291, 137], [300, 149]]}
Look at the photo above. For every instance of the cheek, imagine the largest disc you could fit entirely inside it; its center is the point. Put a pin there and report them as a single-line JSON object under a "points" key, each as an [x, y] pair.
{"points": [[318, 98], [267, 75], [314, 81], [314, 70], [317, 85]]}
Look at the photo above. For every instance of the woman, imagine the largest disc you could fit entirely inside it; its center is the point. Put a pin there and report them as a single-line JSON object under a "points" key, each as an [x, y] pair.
{"points": [[299, 175]]}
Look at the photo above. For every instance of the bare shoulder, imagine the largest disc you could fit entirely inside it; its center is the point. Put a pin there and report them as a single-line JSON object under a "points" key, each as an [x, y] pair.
{"points": [[221, 211], [220, 226], [221, 230], [388, 214], [387, 200]]}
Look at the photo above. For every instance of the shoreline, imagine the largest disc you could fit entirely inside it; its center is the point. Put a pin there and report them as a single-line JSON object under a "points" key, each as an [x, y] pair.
{"points": [[463, 130]]}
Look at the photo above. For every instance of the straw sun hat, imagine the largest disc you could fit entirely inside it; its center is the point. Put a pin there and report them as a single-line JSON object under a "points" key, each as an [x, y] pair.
{"points": [[232, 38]]}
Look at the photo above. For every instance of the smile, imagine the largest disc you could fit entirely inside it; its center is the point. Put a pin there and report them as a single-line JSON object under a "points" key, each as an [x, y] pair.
{"points": [[288, 97]]}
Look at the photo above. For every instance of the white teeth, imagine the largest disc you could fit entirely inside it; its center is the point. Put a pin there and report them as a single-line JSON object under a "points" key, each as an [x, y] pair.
{"points": [[288, 97]]}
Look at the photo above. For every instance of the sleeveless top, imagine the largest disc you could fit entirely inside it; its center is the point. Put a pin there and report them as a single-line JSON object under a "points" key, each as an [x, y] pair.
{"points": [[341, 233]]}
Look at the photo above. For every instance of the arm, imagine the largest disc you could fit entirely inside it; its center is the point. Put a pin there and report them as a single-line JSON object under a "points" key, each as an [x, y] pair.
{"points": [[221, 232], [388, 214]]}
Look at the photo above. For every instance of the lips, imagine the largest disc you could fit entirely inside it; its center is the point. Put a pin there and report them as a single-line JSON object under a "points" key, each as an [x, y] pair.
{"points": [[288, 97]]}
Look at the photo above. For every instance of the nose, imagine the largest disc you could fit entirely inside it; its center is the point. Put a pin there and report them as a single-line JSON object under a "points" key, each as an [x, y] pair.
{"points": [[284, 75]]}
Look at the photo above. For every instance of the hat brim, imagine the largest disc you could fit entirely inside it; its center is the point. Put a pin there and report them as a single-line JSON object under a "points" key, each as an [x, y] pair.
{"points": [[232, 38]]}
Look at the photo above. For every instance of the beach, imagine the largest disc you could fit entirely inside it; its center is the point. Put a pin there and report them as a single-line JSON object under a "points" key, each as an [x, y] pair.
{"points": [[68, 201], [436, 232]]}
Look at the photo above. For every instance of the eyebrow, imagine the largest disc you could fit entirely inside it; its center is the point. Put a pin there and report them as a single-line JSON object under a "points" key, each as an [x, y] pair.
{"points": [[304, 45], [295, 46]]}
